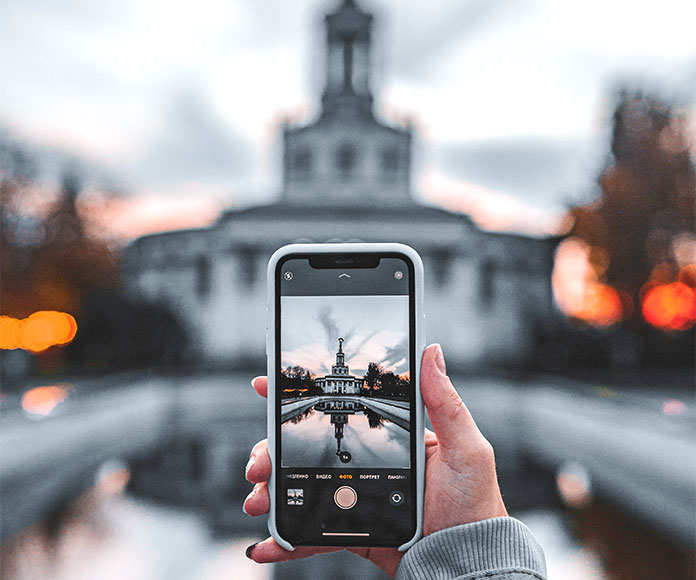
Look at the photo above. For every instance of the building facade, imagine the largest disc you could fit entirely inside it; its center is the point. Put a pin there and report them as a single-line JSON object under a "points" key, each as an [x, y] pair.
{"points": [[340, 381], [347, 177]]}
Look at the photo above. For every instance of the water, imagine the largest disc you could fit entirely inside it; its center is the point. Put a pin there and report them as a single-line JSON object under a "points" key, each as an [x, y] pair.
{"points": [[322, 438], [113, 536]]}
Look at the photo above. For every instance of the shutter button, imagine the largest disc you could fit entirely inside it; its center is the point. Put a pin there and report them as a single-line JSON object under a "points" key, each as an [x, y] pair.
{"points": [[345, 497]]}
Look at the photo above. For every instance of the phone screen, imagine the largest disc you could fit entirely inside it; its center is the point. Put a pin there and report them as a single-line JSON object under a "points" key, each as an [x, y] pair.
{"points": [[345, 404]]}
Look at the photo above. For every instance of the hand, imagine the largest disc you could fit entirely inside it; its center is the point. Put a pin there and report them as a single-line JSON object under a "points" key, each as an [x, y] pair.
{"points": [[461, 485]]}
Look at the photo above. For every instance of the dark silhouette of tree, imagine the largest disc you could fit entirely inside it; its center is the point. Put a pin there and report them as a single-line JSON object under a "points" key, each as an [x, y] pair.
{"points": [[296, 378], [371, 377], [648, 196], [374, 420], [301, 416], [384, 383]]}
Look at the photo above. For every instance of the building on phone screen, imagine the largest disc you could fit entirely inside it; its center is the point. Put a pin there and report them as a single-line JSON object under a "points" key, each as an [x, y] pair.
{"points": [[347, 176], [340, 381]]}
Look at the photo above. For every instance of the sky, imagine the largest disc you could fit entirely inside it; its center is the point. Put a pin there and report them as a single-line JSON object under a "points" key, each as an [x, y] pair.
{"points": [[177, 105], [374, 328]]}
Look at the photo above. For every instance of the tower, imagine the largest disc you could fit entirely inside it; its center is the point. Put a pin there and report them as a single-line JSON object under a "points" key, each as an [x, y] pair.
{"points": [[340, 367], [347, 157], [347, 88]]}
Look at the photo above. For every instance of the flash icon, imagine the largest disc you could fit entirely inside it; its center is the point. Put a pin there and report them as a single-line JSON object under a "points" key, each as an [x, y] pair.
{"points": [[288, 276]]}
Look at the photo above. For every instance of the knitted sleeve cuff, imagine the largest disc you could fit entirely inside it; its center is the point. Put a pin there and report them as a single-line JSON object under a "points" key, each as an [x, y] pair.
{"points": [[497, 548]]}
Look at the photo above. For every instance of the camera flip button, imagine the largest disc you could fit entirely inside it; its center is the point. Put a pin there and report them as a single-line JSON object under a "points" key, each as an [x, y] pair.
{"points": [[396, 498], [345, 497]]}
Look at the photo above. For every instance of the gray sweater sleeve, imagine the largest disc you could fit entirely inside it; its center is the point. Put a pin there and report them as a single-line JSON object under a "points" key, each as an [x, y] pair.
{"points": [[495, 549]]}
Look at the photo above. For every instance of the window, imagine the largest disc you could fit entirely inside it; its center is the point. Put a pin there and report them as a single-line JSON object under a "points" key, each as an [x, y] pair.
{"points": [[302, 161], [345, 160], [203, 277], [486, 283], [390, 161], [247, 266], [442, 261]]}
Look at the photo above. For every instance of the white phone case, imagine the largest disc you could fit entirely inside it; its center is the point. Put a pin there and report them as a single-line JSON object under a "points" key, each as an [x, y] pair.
{"points": [[271, 353]]}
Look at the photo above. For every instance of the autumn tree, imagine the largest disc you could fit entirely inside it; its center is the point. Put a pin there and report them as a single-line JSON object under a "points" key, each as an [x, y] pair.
{"points": [[645, 211], [19, 230], [51, 259], [48, 260]]}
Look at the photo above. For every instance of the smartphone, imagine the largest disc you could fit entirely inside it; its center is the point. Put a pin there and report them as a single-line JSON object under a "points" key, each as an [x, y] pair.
{"points": [[345, 415]]}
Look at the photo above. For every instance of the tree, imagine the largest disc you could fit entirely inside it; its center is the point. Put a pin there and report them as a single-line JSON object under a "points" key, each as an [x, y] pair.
{"points": [[386, 382], [648, 195], [48, 261], [297, 381], [20, 232], [372, 377], [70, 264]]}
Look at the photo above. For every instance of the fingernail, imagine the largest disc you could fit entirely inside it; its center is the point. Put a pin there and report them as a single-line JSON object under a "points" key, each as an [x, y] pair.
{"points": [[251, 462], [250, 496], [254, 380], [249, 550], [440, 360]]}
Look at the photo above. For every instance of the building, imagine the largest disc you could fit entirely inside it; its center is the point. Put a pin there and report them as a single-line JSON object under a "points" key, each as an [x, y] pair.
{"points": [[347, 177], [340, 381]]}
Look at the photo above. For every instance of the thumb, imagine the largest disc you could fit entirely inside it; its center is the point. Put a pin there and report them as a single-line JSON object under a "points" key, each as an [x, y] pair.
{"points": [[453, 424]]}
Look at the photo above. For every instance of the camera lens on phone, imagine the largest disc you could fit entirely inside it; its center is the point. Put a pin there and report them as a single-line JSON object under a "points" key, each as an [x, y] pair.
{"points": [[398, 274]]}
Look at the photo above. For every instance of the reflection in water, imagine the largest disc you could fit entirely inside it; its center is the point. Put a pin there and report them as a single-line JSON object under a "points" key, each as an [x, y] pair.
{"points": [[375, 420], [301, 416], [339, 411], [346, 431]]}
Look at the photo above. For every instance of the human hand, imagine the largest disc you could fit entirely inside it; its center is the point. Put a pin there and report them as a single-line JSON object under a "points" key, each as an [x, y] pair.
{"points": [[461, 485]]}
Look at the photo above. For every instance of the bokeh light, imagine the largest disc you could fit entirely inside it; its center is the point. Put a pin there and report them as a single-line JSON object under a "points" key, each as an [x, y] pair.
{"points": [[39, 331], [41, 401], [601, 306], [576, 284], [670, 306], [574, 485], [10, 332], [673, 407]]}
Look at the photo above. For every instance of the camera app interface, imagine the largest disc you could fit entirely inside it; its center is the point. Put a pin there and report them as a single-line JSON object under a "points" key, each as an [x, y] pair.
{"points": [[345, 404]]}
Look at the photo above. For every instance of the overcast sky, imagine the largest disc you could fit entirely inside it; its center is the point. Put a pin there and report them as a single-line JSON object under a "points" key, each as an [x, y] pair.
{"points": [[374, 328], [510, 97]]}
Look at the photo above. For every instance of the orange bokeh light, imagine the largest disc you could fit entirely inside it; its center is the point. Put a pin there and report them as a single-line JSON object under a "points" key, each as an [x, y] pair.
{"points": [[42, 400], [670, 306], [577, 287], [37, 332], [601, 305], [10, 332]]}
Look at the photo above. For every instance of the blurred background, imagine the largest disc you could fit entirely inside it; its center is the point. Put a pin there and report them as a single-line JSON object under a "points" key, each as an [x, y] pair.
{"points": [[538, 155]]}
